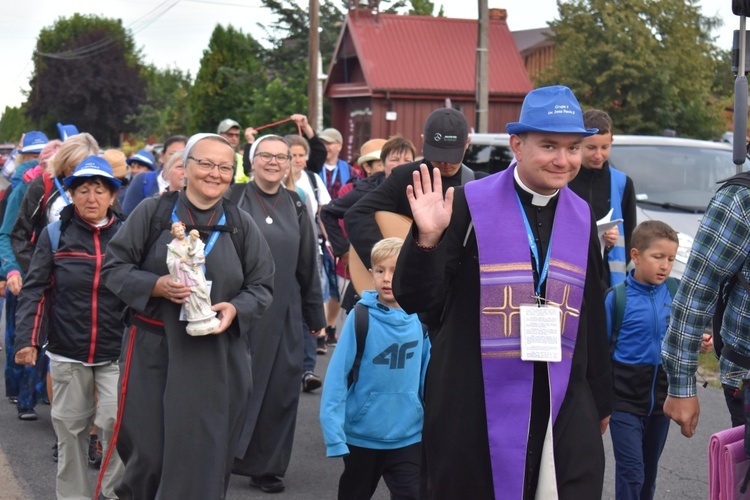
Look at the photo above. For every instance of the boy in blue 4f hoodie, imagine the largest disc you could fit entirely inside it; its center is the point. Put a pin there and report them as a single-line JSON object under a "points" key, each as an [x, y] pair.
{"points": [[638, 425], [376, 423]]}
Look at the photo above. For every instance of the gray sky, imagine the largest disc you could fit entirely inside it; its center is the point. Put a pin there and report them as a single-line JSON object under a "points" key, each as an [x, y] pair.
{"points": [[178, 37]]}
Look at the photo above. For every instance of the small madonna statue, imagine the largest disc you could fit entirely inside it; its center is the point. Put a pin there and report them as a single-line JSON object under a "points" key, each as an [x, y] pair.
{"points": [[185, 261]]}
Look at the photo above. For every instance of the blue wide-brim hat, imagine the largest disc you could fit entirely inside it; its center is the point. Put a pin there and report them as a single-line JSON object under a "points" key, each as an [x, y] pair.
{"points": [[93, 166], [552, 110], [144, 157], [34, 142]]}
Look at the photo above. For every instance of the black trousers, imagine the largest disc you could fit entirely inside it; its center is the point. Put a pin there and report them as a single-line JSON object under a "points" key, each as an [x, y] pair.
{"points": [[364, 467], [735, 405]]}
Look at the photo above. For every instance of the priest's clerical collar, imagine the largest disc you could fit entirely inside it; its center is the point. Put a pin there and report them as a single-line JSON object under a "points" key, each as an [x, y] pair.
{"points": [[538, 200]]}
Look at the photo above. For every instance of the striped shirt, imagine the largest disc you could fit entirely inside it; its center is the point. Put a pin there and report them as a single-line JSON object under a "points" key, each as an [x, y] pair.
{"points": [[721, 248]]}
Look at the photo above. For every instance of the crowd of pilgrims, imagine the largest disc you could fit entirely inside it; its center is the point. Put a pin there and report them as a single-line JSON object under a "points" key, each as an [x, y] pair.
{"points": [[89, 300], [91, 242]]}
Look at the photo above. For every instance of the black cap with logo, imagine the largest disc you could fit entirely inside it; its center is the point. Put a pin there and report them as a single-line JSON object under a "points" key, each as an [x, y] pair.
{"points": [[445, 135]]}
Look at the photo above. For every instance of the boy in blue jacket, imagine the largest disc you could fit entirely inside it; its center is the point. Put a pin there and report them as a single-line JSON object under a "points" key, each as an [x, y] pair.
{"points": [[376, 422], [637, 318]]}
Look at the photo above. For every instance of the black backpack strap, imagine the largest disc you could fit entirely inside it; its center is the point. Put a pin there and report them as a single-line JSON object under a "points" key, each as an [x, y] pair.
{"points": [[235, 193], [361, 326], [313, 183], [161, 220], [234, 225]]}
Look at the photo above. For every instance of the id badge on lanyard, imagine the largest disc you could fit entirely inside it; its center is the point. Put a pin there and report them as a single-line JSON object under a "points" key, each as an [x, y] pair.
{"points": [[541, 329], [540, 333]]}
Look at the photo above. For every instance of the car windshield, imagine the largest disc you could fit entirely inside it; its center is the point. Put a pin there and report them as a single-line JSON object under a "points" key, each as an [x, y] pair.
{"points": [[679, 176], [488, 158]]}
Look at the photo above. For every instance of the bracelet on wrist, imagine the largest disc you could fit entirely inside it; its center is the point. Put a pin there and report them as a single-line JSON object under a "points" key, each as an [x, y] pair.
{"points": [[425, 247]]}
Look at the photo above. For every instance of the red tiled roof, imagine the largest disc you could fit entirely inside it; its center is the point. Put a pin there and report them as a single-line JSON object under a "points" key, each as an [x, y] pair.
{"points": [[433, 54]]}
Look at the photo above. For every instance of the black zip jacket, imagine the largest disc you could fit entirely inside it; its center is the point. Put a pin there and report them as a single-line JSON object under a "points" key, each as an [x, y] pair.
{"points": [[85, 318]]}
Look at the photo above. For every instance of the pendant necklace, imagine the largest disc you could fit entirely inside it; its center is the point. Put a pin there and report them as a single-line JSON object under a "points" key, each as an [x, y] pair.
{"points": [[269, 219]]}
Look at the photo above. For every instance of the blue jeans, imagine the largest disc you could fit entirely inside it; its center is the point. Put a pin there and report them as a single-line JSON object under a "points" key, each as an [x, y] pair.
{"points": [[637, 443], [22, 382], [311, 347]]}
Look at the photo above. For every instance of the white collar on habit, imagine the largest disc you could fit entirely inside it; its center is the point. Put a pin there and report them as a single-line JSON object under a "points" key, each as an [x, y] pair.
{"points": [[538, 200]]}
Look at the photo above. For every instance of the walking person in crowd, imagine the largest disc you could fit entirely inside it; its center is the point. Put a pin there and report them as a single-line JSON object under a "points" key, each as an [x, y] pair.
{"points": [[335, 174], [183, 398], [532, 411], [447, 154], [605, 188], [232, 132], [277, 346], [20, 382], [308, 155], [637, 317], [394, 152], [149, 181], [371, 408], [118, 161], [720, 255], [83, 348]]}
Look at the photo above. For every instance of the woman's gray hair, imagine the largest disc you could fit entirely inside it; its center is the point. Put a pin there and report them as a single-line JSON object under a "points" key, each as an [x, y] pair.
{"points": [[176, 156]]}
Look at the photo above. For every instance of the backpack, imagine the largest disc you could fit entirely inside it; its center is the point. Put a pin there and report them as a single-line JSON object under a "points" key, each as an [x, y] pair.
{"points": [[361, 328], [161, 220], [314, 184], [38, 216], [54, 229], [725, 289], [621, 296]]}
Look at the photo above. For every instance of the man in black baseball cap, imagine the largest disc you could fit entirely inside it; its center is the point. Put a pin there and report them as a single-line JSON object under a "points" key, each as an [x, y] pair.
{"points": [[446, 137]]}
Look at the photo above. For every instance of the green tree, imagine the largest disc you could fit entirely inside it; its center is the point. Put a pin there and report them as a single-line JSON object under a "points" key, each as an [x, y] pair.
{"points": [[648, 63], [86, 72], [164, 112], [13, 124], [231, 70]]}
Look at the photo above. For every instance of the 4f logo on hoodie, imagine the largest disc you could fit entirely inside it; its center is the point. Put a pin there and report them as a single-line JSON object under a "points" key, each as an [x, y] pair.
{"points": [[395, 355]]}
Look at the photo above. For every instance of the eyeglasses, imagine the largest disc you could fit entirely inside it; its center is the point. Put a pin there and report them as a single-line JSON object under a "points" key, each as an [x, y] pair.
{"points": [[280, 158], [207, 166]]}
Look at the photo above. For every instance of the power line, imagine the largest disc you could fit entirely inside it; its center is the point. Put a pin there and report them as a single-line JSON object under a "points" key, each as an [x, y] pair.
{"points": [[102, 45]]}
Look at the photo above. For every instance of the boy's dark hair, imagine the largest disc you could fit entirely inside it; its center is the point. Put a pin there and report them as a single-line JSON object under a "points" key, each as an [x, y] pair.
{"points": [[646, 233], [397, 144], [596, 118]]}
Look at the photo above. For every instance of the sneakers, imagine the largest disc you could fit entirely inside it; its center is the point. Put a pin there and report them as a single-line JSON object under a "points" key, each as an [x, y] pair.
{"points": [[13, 400], [310, 382], [54, 452], [322, 347], [27, 414], [95, 452], [331, 336], [267, 484]]}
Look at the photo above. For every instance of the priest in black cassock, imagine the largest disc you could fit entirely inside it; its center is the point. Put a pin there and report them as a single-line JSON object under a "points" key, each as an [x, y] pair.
{"points": [[518, 391]]}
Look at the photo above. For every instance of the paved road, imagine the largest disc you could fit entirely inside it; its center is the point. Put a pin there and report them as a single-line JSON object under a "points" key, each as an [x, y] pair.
{"points": [[28, 472]]}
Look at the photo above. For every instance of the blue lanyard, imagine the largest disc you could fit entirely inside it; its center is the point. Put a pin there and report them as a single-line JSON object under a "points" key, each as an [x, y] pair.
{"points": [[534, 250], [214, 235], [62, 191]]}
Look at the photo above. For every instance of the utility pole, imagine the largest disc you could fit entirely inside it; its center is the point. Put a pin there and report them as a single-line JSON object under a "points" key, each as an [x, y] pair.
{"points": [[313, 56], [483, 64]]}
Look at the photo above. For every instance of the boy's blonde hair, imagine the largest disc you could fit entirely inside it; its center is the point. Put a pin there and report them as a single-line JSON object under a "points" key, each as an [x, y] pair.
{"points": [[385, 248], [647, 232]]}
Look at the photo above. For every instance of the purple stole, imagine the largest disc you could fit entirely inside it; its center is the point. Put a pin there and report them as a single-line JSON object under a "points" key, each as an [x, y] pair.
{"points": [[507, 281]]}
